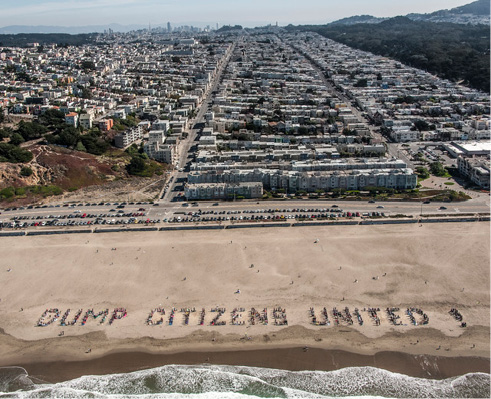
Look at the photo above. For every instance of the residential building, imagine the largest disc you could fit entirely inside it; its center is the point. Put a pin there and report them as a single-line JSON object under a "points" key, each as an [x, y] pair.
{"points": [[72, 119]]}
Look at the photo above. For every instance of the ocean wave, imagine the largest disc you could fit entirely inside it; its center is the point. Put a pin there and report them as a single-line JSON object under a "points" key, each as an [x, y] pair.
{"points": [[238, 382]]}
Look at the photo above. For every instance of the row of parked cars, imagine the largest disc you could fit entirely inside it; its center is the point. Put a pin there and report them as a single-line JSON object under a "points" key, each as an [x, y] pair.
{"points": [[80, 215], [224, 216], [122, 204]]}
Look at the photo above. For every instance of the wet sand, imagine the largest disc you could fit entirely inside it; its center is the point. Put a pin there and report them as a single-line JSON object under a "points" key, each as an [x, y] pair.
{"points": [[294, 359]]}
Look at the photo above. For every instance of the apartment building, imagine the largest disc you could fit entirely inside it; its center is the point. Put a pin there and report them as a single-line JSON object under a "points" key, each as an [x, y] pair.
{"points": [[156, 147], [124, 139], [86, 121], [212, 191], [295, 180], [72, 119], [476, 170]]}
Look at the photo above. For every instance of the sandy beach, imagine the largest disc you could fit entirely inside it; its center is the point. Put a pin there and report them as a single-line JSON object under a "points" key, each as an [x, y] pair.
{"points": [[434, 268]]}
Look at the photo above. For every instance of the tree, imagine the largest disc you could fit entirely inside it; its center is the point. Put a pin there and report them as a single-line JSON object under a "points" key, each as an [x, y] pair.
{"points": [[361, 83], [422, 172], [136, 165], [52, 118], [80, 147], [437, 169], [16, 139], [26, 171], [94, 144], [69, 137], [88, 65], [421, 125], [31, 130], [6, 132], [12, 153]]}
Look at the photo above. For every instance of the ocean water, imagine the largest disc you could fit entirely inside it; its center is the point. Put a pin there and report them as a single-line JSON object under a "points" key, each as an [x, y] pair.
{"points": [[238, 382]]}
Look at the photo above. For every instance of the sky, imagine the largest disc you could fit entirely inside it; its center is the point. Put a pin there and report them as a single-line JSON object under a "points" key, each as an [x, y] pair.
{"points": [[201, 12]]}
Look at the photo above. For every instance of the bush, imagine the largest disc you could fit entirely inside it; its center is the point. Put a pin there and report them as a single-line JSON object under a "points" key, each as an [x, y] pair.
{"points": [[16, 139], [31, 130], [423, 173], [26, 171], [136, 165], [52, 118], [437, 169], [12, 153], [7, 193], [20, 191]]}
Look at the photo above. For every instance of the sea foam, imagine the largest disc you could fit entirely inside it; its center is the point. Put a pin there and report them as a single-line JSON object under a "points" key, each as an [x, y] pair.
{"points": [[237, 382]]}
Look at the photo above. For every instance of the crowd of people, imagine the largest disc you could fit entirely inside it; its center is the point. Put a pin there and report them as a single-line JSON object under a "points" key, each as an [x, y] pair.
{"points": [[64, 322], [325, 317], [259, 317], [415, 315], [279, 316], [393, 318], [103, 314], [45, 321], [236, 314], [202, 316], [358, 316], [345, 317], [458, 316], [410, 312], [373, 315], [220, 312], [160, 321], [187, 312], [171, 316], [49, 316], [118, 314]]}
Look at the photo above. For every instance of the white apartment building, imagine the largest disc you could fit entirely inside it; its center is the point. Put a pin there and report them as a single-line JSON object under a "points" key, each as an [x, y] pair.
{"points": [[128, 137], [156, 148]]}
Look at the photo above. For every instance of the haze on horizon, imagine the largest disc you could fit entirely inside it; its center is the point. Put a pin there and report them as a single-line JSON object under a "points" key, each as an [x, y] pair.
{"points": [[200, 13]]}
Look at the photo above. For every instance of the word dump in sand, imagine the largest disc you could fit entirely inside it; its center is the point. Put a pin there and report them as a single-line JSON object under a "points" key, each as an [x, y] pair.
{"points": [[239, 316]]}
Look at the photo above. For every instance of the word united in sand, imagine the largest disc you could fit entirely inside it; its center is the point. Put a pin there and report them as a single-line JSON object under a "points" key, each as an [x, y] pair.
{"points": [[219, 316]]}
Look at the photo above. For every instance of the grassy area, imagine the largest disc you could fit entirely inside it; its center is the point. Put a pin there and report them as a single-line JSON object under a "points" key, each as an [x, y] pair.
{"points": [[14, 193], [389, 195]]}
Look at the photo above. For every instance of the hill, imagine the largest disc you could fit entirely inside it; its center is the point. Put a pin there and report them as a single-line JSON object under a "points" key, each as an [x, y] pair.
{"points": [[474, 13], [78, 176], [358, 19]]}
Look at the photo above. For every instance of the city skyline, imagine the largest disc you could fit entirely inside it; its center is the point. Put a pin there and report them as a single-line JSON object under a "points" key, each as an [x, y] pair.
{"points": [[193, 12]]}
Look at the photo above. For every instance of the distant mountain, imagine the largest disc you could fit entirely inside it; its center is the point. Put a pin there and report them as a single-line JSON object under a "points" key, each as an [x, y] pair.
{"points": [[474, 13], [480, 7], [358, 19], [15, 29]]}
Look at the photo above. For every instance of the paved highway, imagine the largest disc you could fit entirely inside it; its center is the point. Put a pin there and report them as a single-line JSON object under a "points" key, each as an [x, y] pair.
{"points": [[112, 213]]}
